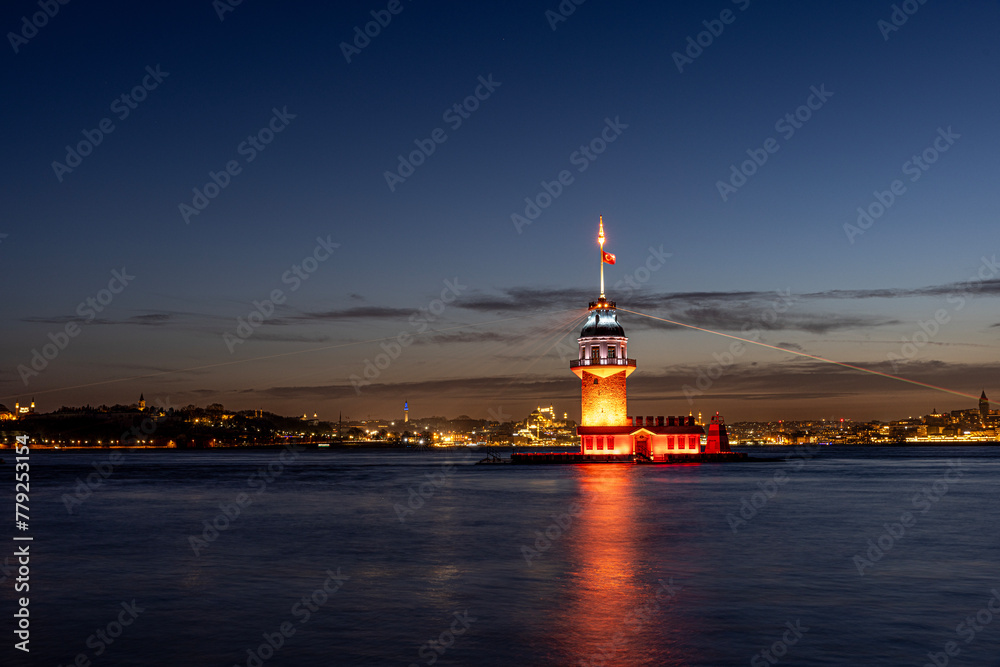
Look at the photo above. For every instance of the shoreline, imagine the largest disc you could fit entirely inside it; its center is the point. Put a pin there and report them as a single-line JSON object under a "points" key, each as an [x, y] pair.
{"points": [[519, 450]]}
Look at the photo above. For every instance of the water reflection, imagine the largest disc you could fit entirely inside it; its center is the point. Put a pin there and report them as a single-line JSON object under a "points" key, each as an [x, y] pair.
{"points": [[616, 607]]}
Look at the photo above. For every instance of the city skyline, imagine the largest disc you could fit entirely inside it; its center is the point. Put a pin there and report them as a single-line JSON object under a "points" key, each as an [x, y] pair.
{"points": [[159, 406], [251, 216]]}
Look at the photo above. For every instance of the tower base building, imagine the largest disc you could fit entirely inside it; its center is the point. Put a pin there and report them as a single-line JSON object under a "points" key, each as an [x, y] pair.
{"points": [[605, 427], [607, 432]]}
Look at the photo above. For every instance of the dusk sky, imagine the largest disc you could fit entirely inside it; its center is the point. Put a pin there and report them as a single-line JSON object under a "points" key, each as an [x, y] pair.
{"points": [[834, 100]]}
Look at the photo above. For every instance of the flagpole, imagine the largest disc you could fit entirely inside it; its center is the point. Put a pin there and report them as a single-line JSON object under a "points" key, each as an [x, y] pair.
{"points": [[600, 239]]}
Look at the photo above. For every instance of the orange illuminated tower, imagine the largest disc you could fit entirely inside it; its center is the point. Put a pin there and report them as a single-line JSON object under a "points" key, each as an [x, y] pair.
{"points": [[603, 363]]}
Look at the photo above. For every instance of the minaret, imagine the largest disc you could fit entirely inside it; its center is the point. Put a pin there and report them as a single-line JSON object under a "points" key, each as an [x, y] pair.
{"points": [[142, 403], [603, 363], [984, 407]]}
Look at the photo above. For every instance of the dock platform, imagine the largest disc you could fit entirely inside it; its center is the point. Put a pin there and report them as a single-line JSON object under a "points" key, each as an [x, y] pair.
{"points": [[546, 458]]}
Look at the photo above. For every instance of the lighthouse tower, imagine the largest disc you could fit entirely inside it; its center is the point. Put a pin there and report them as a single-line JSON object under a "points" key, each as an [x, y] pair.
{"points": [[603, 363], [607, 432], [602, 367]]}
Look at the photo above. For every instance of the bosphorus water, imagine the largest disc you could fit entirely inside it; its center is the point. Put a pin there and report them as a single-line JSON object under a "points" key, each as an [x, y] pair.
{"points": [[849, 556]]}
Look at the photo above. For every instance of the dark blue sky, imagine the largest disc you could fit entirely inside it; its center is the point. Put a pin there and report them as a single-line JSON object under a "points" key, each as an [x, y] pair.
{"points": [[852, 295]]}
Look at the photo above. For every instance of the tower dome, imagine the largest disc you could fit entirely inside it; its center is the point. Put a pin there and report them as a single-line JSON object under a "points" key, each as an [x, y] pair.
{"points": [[602, 320]]}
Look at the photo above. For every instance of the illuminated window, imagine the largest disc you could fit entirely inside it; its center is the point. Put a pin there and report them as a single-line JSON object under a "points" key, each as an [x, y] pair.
{"points": [[611, 442], [612, 351], [590, 443], [595, 352], [600, 443]]}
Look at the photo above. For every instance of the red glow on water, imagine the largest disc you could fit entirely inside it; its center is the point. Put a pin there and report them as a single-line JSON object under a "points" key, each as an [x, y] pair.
{"points": [[609, 617]]}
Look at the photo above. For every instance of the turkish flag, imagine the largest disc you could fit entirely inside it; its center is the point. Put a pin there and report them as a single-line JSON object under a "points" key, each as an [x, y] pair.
{"points": [[607, 257]]}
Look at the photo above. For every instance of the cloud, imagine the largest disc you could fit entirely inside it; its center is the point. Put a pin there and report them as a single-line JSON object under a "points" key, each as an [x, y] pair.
{"points": [[967, 289], [462, 337], [749, 316], [895, 343], [531, 298], [787, 382], [729, 310], [469, 388], [148, 319], [61, 320], [525, 299], [797, 378], [291, 337], [355, 313]]}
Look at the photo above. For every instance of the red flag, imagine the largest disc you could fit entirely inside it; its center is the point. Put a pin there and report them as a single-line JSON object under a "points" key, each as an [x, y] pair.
{"points": [[607, 257]]}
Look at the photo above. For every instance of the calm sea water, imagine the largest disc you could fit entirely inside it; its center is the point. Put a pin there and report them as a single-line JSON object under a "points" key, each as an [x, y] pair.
{"points": [[651, 566]]}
